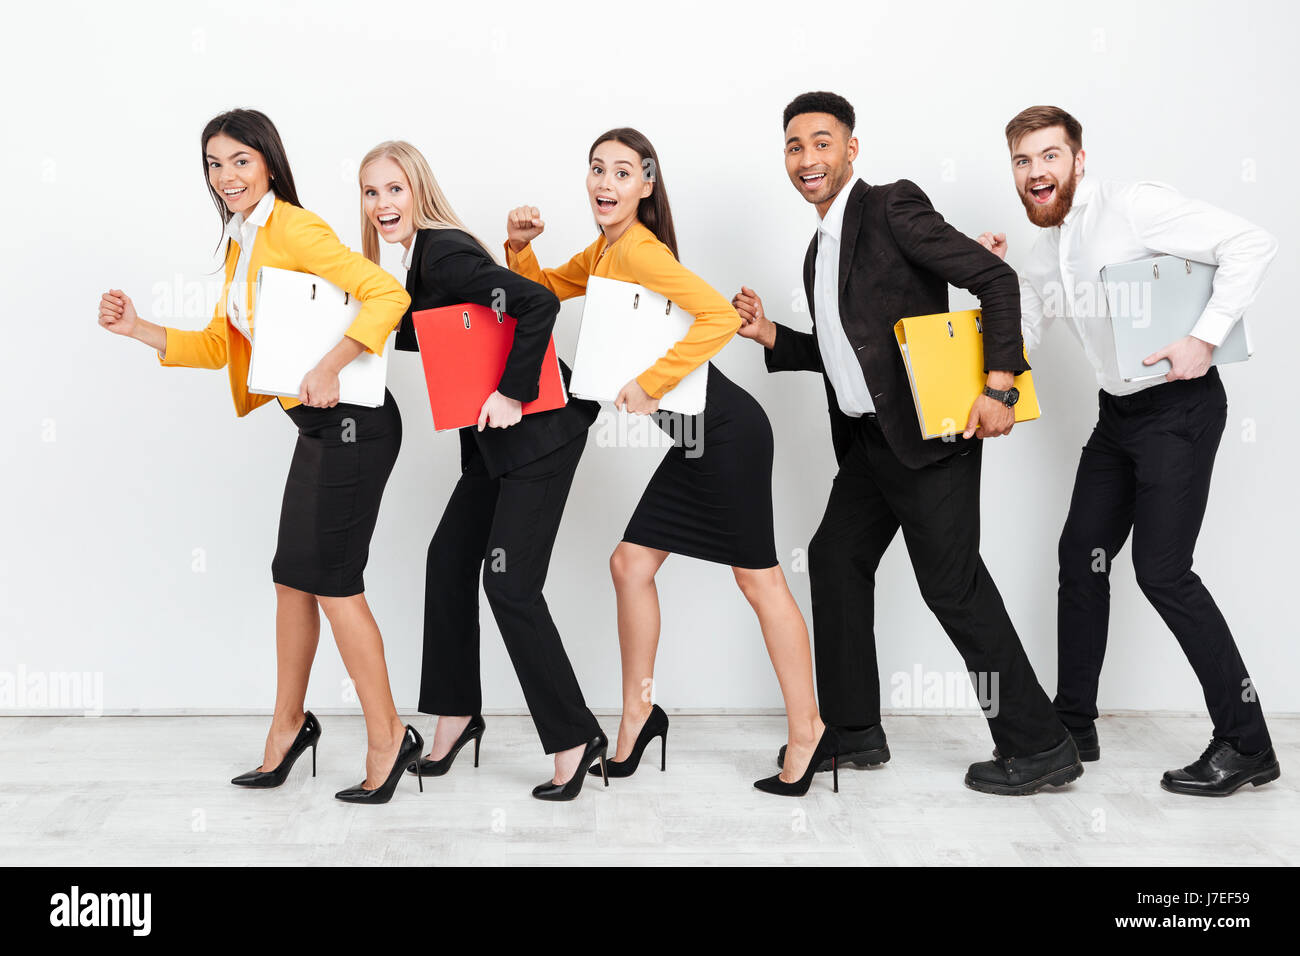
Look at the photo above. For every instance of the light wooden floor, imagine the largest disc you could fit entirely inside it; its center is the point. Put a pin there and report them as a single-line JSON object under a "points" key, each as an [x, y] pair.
{"points": [[154, 790]]}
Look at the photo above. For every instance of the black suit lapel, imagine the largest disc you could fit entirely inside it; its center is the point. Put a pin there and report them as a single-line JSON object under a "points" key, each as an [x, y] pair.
{"points": [[809, 273], [849, 228]]}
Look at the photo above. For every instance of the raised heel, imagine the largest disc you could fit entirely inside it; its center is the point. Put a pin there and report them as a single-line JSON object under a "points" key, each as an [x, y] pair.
{"points": [[835, 774], [313, 760], [663, 752], [477, 740], [604, 771]]}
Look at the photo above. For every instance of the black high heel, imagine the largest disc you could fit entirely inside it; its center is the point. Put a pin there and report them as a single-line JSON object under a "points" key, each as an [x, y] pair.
{"points": [[656, 725], [428, 767], [308, 736], [826, 747], [595, 750], [407, 755]]}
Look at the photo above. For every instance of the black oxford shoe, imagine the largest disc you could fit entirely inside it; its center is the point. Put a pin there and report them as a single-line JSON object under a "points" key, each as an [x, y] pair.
{"points": [[1018, 776], [863, 748], [1222, 770]]}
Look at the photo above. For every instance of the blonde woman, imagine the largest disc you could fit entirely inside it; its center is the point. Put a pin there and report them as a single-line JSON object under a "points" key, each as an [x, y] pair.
{"points": [[516, 471]]}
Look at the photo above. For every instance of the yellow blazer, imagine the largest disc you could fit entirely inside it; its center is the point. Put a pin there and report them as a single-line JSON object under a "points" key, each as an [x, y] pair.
{"points": [[296, 239], [638, 256]]}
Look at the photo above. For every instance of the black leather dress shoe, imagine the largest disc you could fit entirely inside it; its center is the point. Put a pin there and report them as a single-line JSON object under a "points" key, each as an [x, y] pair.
{"points": [[863, 748], [1221, 770], [1086, 741], [1018, 776]]}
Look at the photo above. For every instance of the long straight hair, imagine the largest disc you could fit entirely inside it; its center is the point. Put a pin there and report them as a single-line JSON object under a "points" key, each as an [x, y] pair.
{"points": [[255, 130], [653, 211], [429, 205]]}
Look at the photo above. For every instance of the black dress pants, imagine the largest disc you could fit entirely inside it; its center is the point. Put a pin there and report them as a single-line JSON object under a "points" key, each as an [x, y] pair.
{"points": [[938, 509], [1146, 467], [506, 527]]}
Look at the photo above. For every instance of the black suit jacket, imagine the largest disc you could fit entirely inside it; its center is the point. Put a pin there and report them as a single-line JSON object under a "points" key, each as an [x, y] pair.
{"points": [[897, 259], [447, 268]]}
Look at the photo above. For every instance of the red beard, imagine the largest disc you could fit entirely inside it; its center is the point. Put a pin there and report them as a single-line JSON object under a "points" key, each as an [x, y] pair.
{"points": [[1053, 213]]}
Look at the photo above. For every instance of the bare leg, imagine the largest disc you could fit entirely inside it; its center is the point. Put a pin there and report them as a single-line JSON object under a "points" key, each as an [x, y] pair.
{"points": [[362, 649], [445, 735], [786, 637], [297, 632], [633, 568]]}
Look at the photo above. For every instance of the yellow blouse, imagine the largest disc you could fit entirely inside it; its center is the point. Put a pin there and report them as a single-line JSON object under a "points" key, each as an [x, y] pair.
{"points": [[638, 256], [302, 241]]}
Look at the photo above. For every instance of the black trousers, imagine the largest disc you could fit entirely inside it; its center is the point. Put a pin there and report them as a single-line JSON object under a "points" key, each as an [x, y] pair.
{"points": [[1146, 468], [938, 509], [505, 526]]}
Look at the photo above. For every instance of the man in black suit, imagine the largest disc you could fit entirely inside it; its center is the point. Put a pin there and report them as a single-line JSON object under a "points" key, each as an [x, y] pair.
{"points": [[882, 253]]}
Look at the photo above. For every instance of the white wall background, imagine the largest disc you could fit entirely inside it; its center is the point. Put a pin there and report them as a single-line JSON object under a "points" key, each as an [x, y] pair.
{"points": [[116, 470]]}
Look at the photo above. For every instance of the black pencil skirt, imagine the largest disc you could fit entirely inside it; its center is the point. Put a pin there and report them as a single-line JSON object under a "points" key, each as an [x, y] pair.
{"points": [[711, 496], [340, 466]]}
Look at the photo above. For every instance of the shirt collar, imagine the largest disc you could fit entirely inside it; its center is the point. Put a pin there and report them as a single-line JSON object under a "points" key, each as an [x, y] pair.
{"points": [[1083, 192], [409, 251], [833, 221], [261, 213]]}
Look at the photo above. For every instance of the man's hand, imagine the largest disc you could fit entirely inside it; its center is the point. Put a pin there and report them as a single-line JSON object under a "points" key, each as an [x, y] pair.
{"points": [[994, 242], [989, 418], [1189, 356], [635, 399], [500, 411], [754, 324]]}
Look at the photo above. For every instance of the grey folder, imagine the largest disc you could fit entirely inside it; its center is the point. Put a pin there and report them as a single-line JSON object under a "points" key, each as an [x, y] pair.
{"points": [[1154, 303]]}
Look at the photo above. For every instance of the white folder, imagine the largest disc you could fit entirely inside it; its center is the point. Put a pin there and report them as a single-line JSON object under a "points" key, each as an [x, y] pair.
{"points": [[1154, 302], [297, 318], [625, 329]]}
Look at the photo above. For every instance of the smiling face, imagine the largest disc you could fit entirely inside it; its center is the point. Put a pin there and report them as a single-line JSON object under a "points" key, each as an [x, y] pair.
{"points": [[819, 155], [616, 184], [237, 172], [387, 201], [1046, 172]]}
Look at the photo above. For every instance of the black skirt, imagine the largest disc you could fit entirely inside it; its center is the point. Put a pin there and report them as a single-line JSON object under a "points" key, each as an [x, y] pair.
{"points": [[711, 497], [331, 498]]}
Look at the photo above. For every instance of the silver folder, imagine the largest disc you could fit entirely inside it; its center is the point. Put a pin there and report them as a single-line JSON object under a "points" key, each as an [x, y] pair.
{"points": [[1155, 302]]}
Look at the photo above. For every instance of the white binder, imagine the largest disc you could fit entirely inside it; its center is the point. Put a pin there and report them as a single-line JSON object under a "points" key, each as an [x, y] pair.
{"points": [[297, 319], [625, 329], [1155, 302]]}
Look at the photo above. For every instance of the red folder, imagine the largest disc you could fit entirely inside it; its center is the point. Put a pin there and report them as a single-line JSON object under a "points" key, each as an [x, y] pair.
{"points": [[464, 349]]}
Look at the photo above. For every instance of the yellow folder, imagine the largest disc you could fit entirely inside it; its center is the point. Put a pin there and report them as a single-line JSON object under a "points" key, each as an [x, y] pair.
{"points": [[944, 355]]}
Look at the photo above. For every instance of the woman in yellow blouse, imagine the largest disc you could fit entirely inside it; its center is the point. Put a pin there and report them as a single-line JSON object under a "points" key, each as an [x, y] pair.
{"points": [[713, 503], [344, 452]]}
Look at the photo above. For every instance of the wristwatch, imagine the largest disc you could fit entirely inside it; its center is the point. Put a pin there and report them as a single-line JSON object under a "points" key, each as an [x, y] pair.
{"points": [[1007, 398]]}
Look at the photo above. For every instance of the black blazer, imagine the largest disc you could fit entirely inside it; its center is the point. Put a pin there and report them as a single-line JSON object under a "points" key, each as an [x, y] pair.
{"points": [[897, 258], [447, 268]]}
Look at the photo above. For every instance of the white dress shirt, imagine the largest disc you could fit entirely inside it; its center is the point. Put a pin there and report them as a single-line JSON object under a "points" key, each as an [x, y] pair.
{"points": [[243, 233], [838, 358], [1112, 222], [408, 252]]}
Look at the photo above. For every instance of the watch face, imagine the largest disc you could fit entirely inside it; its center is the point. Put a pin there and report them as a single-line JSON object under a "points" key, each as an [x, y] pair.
{"points": [[1013, 395]]}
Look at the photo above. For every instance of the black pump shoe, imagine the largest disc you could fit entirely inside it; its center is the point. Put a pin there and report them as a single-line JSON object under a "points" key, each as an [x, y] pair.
{"points": [[308, 736], [428, 767], [656, 725], [825, 750], [407, 755], [595, 750], [862, 748], [1223, 770]]}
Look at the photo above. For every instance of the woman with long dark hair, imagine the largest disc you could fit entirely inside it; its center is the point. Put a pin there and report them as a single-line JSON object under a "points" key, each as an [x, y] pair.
{"points": [[344, 453], [712, 501], [516, 471]]}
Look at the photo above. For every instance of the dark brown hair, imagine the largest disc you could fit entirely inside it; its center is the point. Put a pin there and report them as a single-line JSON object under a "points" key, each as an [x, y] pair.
{"points": [[1042, 117], [653, 211], [255, 130]]}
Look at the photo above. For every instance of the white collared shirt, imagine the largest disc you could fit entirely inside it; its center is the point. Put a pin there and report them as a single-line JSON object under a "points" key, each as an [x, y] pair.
{"points": [[1110, 223], [243, 233], [408, 252], [838, 358]]}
